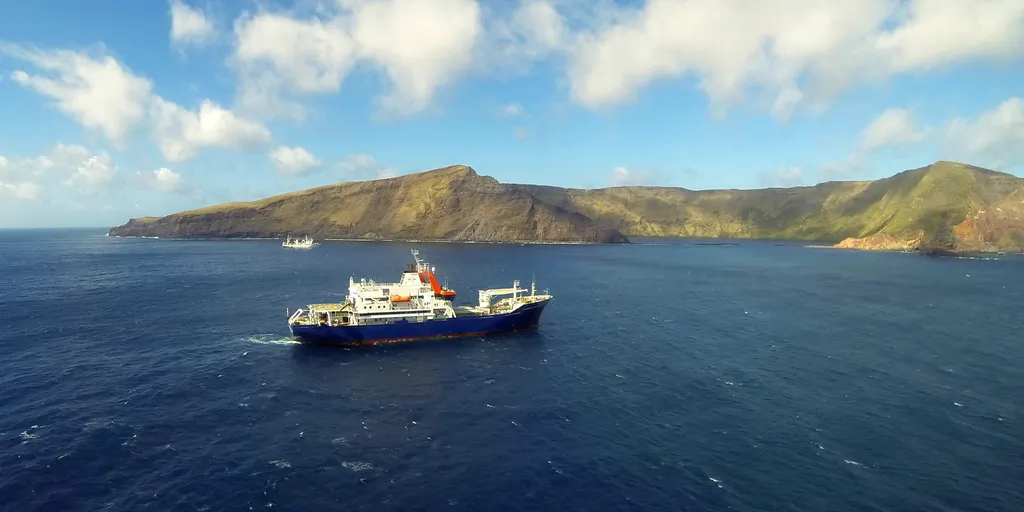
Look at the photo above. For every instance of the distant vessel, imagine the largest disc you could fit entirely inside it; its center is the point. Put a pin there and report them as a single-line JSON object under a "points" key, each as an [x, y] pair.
{"points": [[298, 243], [416, 307]]}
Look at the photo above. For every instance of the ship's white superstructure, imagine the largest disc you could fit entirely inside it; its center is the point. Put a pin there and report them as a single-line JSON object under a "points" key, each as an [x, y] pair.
{"points": [[417, 297], [298, 243]]}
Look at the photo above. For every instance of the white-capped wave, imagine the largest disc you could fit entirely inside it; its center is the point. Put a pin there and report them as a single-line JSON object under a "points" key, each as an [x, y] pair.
{"points": [[270, 339], [357, 466]]}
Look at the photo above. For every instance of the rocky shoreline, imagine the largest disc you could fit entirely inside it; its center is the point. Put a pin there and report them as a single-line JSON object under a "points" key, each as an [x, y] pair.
{"points": [[943, 209]]}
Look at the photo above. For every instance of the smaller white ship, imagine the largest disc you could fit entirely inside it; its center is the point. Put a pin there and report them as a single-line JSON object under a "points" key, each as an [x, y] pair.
{"points": [[298, 243]]}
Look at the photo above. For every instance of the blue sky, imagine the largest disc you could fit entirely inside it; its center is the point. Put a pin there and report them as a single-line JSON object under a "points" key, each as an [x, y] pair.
{"points": [[113, 109]]}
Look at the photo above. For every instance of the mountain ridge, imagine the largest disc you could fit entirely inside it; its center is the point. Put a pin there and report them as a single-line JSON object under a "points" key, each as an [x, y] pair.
{"points": [[948, 205], [449, 203]]}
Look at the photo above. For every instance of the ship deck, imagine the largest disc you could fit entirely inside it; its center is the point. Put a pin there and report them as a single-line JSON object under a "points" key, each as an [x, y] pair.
{"points": [[332, 307], [464, 311]]}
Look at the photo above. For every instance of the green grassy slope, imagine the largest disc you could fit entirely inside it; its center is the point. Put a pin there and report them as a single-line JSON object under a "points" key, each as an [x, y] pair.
{"points": [[908, 204], [974, 208]]}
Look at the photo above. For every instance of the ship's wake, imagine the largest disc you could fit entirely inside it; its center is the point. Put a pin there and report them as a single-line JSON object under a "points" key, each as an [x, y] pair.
{"points": [[270, 339]]}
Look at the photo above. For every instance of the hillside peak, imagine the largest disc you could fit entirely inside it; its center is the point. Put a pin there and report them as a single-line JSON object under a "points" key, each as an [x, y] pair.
{"points": [[953, 166], [457, 169]]}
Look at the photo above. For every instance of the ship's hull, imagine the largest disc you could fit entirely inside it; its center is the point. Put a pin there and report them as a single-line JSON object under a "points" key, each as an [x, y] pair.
{"points": [[525, 317]]}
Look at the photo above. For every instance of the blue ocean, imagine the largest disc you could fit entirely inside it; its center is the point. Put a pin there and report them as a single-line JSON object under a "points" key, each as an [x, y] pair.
{"points": [[158, 375]]}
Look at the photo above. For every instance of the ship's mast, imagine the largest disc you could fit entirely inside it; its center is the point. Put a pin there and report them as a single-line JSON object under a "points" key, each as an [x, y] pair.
{"points": [[420, 265]]}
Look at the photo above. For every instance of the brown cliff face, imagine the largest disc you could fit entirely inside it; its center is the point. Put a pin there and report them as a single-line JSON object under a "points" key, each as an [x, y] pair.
{"points": [[959, 209], [880, 243], [995, 228], [946, 206], [453, 203], [901, 212]]}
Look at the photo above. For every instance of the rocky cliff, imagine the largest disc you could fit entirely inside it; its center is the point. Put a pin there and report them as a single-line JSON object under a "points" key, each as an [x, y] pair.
{"points": [[453, 203], [946, 206]]}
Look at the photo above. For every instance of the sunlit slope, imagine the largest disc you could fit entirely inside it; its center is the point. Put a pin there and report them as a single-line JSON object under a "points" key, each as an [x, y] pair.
{"points": [[452, 203], [907, 206]]}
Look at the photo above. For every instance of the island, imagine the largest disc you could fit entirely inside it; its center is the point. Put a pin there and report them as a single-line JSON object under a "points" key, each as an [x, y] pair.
{"points": [[453, 203], [944, 208]]}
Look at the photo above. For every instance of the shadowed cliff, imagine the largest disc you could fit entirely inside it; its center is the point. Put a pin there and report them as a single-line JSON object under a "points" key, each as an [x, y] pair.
{"points": [[946, 206], [452, 203]]}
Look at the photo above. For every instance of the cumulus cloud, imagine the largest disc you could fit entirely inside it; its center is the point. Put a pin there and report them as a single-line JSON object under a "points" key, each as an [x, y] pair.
{"points": [[623, 177], [532, 31], [420, 45], [180, 132], [163, 180], [18, 190], [92, 173], [67, 165], [783, 54], [893, 127], [295, 160], [995, 138], [100, 93], [277, 54], [935, 33], [361, 166], [189, 25]]}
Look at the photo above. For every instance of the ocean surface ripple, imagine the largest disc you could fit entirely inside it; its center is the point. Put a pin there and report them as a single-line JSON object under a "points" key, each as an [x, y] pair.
{"points": [[143, 374]]}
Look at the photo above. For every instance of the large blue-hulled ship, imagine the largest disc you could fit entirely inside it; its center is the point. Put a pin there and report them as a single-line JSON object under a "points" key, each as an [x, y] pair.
{"points": [[416, 307]]}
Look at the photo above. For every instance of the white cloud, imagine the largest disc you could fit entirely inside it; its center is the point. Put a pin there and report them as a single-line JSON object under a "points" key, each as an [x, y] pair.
{"points": [[520, 133], [167, 180], [101, 93], [162, 179], [788, 177], [785, 53], [97, 92], [533, 31], [935, 33], [296, 160], [65, 165], [364, 167], [623, 177], [421, 45], [995, 138], [24, 190], [180, 132], [783, 56], [310, 55], [893, 127], [190, 25], [512, 110], [94, 172]]}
